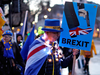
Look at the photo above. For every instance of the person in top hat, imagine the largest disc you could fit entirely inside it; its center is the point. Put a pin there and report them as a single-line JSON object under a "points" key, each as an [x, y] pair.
{"points": [[44, 56]]}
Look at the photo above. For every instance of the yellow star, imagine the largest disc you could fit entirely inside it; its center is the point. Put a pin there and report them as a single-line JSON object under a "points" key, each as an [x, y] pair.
{"points": [[6, 48]]}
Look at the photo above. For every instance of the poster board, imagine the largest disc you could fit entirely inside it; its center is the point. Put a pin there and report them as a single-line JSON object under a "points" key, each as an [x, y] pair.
{"points": [[78, 25]]}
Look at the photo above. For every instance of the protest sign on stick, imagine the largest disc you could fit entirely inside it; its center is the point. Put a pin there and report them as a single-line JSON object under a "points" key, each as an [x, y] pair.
{"points": [[78, 26]]}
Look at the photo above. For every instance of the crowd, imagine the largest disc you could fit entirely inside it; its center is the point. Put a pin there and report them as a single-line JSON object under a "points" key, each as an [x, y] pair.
{"points": [[39, 62]]}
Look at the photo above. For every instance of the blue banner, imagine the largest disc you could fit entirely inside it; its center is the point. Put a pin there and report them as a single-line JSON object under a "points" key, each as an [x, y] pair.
{"points": [[29, 40], [78, 25]]}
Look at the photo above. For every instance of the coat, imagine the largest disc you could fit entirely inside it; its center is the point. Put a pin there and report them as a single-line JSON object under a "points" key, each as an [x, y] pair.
{"points": [[18, 57], [92, 49], [5, 63]]}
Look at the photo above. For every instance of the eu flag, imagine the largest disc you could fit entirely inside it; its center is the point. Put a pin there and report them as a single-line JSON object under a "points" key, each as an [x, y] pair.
{"points": [[8, 52], [26, 45]]}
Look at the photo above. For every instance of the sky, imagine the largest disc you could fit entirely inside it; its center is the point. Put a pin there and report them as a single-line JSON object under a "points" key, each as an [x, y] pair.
{"points": [[63, 1], [53, 2]]}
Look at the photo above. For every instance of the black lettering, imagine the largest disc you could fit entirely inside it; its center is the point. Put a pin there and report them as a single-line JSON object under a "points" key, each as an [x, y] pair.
{"points": [[78, 43], [73, 42], [63, 40], [68, 41], [86, 44], [82, 43]]}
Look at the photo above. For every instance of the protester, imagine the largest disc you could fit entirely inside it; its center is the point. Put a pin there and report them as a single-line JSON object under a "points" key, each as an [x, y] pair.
{"points": [[66, 53], [2, 60], [7, 54], [88, 55], [44, 57], [19, 40], [12, 54]]}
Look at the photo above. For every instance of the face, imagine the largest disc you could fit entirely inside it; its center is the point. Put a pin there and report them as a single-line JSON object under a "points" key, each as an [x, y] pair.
{"points": [[53, 36], [6, 38], [19, 38]]}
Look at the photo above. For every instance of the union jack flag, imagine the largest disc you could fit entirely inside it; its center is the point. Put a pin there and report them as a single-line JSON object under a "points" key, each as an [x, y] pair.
{"points": [[36, 57], [79, 31]]}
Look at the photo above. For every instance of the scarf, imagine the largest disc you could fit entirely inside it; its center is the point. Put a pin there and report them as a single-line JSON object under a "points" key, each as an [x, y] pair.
{"points": [[8, 51]]}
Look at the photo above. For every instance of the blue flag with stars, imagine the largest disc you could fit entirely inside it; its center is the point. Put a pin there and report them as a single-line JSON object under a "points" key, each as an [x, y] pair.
{"points": [[8, 51]]}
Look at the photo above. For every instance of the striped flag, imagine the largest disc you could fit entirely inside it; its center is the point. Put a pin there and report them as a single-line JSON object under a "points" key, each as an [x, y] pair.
{"points": [[79, 31], [36, 57]]}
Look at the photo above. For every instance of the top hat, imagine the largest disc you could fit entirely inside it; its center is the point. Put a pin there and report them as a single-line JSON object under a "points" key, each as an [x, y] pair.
{"points": [[7, 32], [52, 25]]}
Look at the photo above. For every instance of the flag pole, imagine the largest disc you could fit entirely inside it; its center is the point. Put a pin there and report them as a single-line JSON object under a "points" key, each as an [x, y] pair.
{"points": [[73, 68], [24, 25]]}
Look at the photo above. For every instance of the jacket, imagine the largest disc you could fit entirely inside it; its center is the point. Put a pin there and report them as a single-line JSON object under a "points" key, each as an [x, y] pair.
{"points": [[92, 49], [47, 68], [18, 57], [5, 63]]}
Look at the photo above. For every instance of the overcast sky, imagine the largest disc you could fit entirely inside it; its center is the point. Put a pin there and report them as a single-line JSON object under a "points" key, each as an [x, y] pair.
{"points": [[53, 2], [63, 1]]}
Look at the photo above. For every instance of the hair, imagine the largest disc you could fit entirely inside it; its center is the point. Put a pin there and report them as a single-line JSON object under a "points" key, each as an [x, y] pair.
{"points": [[19, 35]]}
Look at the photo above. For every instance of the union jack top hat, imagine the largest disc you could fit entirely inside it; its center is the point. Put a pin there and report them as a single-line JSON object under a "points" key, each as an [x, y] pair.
{"points": [[52, 25]]}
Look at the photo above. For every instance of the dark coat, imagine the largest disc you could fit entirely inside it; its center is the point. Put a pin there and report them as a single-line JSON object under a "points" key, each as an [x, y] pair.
{"points": [[48, 66], [6, 67], [67, 52], [5, 63], [18, 57]]}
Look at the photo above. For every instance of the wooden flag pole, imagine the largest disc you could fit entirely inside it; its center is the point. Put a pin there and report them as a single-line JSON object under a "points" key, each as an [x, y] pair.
{"points": [[73, 69]]}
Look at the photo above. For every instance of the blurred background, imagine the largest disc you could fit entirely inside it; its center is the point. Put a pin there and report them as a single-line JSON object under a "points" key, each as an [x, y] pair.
{"points": [[38, 11]]}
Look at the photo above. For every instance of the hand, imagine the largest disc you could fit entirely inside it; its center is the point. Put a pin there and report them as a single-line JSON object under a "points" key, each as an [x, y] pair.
{"points": [[75, 51], [13, 64]]}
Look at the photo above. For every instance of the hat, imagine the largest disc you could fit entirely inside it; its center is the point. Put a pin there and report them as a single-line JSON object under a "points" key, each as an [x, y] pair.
{"points": [[7, 32], [19, 34], [40, 31], [52, 25]]}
